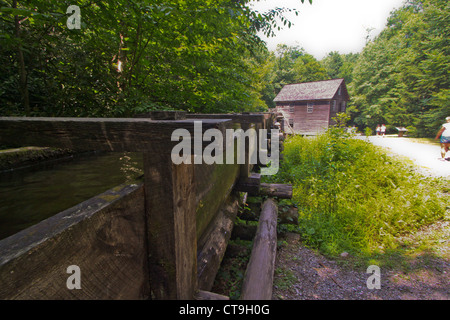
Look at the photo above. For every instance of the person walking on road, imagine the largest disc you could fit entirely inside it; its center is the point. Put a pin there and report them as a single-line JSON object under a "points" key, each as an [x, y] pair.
{"points": [[383, 130], [444, 137], [377, 130]]}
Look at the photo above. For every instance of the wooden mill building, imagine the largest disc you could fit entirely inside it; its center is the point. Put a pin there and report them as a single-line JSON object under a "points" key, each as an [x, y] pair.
{"points": [[309, 108]]}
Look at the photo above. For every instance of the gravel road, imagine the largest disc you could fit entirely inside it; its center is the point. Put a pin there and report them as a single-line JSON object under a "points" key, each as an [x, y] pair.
{"points": [[425, 156]]}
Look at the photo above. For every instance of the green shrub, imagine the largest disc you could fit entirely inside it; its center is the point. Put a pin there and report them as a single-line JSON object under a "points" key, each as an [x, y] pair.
{"points": [[352, 196], [368, 131], [412, 131]]}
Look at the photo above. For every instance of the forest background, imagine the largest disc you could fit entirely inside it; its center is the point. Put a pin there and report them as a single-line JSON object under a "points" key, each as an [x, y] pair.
{"points": [[134, 56]]}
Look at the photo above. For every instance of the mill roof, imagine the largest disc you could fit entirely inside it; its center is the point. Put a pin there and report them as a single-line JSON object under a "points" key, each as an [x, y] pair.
{"points": [[316, 90]]}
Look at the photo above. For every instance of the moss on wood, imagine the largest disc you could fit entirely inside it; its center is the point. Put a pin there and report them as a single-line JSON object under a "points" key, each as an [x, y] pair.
{"points": [[26, 156]]}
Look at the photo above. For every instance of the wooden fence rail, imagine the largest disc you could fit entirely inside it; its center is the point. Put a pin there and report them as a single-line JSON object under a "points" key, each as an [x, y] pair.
{"points": [[258, 278]]}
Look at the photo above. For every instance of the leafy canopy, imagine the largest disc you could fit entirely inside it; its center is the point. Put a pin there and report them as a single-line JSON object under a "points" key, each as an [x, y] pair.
{"points": [[132, 56]]}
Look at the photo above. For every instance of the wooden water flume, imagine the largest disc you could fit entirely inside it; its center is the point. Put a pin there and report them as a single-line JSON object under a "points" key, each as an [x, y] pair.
{"points": [[161, 239]]}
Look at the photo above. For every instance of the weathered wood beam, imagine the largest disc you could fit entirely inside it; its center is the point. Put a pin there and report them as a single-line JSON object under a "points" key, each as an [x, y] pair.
{"points": [[108, 134], [104, 236], [283, 191], [163, 115], [246, 118], [171, 227], [217, 236], [258, 280], [250, 149], [254, 187]]}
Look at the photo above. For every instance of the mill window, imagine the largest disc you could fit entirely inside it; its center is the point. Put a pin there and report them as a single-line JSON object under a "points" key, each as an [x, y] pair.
{"points": [[333, 105]]}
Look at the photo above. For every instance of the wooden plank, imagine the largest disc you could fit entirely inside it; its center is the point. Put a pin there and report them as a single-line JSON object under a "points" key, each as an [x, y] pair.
{"points": [[258, 279], [242, 118], [210, 255], [283, 191], [171, 224], [213, 185], [104, 236], [109, 134], [247, 121], [163, 115]]}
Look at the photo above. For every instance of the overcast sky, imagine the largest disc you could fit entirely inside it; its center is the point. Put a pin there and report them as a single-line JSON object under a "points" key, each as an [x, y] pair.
{"points": [[330, 25]]}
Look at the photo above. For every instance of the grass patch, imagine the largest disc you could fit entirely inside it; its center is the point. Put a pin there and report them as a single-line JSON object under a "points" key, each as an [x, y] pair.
{"points": [[354, 197], [284, 279]]}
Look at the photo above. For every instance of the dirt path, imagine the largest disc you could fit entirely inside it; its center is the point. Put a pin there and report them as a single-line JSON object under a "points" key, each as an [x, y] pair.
{"points": [[302, 273], [425, 156]]}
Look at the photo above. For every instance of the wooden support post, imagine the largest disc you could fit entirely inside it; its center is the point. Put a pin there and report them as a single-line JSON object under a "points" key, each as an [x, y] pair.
{"points": [[170, 212], [258, 280], [247, 167]]}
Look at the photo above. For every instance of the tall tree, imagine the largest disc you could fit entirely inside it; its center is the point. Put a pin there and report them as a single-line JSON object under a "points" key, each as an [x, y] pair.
{"points": [[333, 63], [21, 63], [401, 77], [307, 68], [131, 56]]}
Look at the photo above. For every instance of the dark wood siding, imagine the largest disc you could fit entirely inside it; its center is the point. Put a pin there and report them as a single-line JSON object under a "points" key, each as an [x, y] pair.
{"points": [[293, 104], [314, 122], [304, 122], [340, 98]]}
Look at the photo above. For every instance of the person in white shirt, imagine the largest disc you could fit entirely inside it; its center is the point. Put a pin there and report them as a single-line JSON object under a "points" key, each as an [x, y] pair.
{"points": [[383, 130], [444, 136]]}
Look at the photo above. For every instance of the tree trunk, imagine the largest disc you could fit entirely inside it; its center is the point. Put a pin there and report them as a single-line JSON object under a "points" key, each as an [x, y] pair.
{"points": [[23, 84]]}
